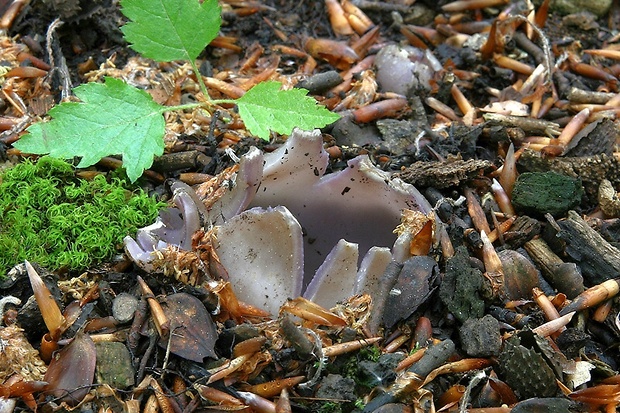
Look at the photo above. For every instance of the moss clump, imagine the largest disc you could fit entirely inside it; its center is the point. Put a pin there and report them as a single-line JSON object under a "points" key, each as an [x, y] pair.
{"points": [[538, 193], [49, 216], [330, 407]]}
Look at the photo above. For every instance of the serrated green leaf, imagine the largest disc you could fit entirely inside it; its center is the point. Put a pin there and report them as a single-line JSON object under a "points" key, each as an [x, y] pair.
{"points": [[166, 30], [265, 107], [113, 118]]}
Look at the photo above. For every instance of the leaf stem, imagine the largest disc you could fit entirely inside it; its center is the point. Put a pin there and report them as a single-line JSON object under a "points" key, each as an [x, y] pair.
{"points": [[220, 101], [201, 82], [180, 107]]}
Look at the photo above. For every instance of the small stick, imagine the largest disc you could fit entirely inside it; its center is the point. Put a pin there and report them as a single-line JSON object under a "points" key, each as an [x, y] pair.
{"points": [[409, 360], [159, 318], [571, 129], [591, 106], [552, 326], [395, 344], [512, 64], [378, 110], [502, 198], [476, 213], [594, 296], [607, 53], [442, 108], [349, 346], [462, 5], [576, 95], [464, 105], [502, 228], [529, 46], [551, 313], [340, 24], [529, 125], [228, 368]]}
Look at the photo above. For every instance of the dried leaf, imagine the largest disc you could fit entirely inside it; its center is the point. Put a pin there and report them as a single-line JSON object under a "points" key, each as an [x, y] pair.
{"points": [[193, 333], [72, 370]]}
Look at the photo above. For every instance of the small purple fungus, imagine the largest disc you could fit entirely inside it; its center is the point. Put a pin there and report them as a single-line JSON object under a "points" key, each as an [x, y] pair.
{"points": [[304, 232]]}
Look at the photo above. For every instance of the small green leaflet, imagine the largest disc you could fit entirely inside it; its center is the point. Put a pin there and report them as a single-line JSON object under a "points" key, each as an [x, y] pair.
{"points": [[113, 118], [265, 107], [166, 30]]}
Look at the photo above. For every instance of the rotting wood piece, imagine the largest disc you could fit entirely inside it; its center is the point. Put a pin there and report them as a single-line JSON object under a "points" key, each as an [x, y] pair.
{"points": [[608, 199], [529, 125], [442, 174], [180, 160], [594, 139], [522, 230], [599, 260], [564, 276]]}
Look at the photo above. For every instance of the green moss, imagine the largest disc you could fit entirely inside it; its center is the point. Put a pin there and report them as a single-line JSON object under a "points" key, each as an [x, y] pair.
{"points": [[370, 353], [330, 407], [49, 216], [351, 366]]}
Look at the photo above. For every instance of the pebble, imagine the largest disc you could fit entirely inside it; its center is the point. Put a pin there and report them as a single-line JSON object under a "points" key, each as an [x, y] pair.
{"points": [[481, 337], [123, 307], [402, 70], [598, 7], [114, 365], [334, 386]]}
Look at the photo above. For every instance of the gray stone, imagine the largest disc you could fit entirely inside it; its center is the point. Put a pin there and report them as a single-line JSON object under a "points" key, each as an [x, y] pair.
{"points": [[373, 374], [348, 133], [598, 7], [334, 386], [480, 337], [114, 365], [124, 306]]}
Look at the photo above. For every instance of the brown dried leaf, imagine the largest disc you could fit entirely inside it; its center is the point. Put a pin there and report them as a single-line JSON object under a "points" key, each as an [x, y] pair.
{"points": [[72, 370], [193, 332]]}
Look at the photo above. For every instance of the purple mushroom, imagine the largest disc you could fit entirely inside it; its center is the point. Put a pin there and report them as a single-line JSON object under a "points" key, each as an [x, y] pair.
{"points": [[304, 232]]}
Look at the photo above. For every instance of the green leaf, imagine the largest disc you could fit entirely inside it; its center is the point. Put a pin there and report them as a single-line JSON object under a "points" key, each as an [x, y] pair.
{"points": [[166, 30], [113, 118], [265, 107]]}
